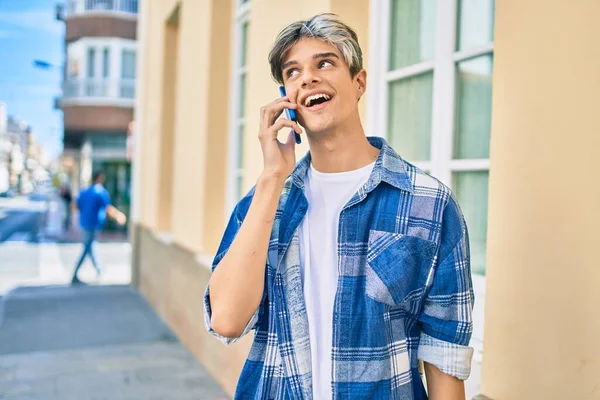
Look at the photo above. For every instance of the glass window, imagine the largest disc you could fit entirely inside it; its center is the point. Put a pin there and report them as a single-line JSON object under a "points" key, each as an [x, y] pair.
{"points": [[471, 189], [475, 23], [409, 116], [240, 139], [239, 185], [412, 32], [473, 120], [241, 105], [105, 62], [244, 44], [128, 64], [242, 98], [91, 63]]}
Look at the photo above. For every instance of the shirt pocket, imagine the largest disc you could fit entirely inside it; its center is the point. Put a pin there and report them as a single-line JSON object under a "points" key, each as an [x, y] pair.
{"points": [[397, 267]]}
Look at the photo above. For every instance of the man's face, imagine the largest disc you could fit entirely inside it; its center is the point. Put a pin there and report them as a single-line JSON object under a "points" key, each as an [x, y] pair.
{"points": [[317, 78]]}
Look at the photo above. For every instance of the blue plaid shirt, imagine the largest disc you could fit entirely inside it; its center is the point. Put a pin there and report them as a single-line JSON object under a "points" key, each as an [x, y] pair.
{"points": [[404, 291]]}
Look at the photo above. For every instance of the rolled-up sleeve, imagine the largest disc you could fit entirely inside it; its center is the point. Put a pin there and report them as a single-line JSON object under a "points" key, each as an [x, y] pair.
{"points": [[231, 231], [207, 322], [446, 318]]}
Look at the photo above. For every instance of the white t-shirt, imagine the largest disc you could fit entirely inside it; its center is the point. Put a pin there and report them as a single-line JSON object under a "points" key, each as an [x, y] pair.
{"points": [[327, 194]]}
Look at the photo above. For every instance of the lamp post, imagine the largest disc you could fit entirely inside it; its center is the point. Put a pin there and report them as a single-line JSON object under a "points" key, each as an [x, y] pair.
{"points": [[46, 65]]}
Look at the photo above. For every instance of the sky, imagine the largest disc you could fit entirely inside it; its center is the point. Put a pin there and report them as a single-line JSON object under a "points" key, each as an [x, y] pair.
{"points": [[29, 31]]}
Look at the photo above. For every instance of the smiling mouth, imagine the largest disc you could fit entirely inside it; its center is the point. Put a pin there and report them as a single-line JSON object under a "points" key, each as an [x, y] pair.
{"points": [[315, 100]]}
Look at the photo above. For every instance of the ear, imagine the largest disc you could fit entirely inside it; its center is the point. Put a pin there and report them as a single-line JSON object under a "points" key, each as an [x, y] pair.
{"points": [[361, 82]]}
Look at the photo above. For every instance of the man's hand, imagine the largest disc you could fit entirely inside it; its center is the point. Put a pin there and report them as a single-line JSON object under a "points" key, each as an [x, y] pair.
{"points": [[441, 386], [279, 158], [121, 219], [116, 215]]}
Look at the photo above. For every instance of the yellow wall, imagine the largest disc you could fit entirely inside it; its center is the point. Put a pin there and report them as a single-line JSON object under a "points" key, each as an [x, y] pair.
{"points": [[197, 111], [167, 136], [185, 147], [542, 330]]}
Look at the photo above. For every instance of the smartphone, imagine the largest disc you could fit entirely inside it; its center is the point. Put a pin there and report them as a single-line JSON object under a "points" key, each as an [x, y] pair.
{"points": [[291, 115]]}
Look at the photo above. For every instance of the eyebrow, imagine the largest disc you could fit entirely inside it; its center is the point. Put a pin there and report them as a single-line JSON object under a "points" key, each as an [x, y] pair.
{"points": [[315, 56]]}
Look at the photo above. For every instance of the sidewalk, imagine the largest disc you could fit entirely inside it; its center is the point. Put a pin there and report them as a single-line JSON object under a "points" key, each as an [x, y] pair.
{"points": [[93, 343]]}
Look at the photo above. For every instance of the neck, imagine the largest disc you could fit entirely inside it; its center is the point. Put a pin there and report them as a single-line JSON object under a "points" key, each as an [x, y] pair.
{"points": [[344, 149]]}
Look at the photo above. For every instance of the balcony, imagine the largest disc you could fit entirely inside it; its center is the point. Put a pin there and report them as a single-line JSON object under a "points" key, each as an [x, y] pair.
{"points": [[111, 92], [80, 7]]}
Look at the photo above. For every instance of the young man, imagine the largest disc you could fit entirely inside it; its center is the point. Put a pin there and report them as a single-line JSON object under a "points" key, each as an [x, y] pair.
{"points": [[352, 265], [94, 205]]}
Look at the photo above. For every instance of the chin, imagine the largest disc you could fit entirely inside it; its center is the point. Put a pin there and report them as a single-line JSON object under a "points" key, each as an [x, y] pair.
{"points": [[320, 127]]}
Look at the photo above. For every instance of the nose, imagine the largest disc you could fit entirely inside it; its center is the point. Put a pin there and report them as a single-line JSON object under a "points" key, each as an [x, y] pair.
{"points": [[310, 76]]}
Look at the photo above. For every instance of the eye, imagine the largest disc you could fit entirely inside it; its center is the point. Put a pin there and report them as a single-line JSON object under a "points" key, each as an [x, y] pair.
{"points": [[291, 72], [325, 63]]}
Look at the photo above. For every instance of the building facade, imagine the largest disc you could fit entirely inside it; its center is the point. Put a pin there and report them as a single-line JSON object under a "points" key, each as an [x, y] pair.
{"points": [[5, 148], [472, 91], [22, 157], [99, 92]]}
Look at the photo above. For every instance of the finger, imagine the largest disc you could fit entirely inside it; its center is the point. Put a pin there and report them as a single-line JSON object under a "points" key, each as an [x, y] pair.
{"points": [[271, 112], [271, 133], [275, 110], [284, 122]]}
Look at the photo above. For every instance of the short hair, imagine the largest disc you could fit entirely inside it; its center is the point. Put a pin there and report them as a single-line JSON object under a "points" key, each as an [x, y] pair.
{"points": [[96, 175], [326, 27]]}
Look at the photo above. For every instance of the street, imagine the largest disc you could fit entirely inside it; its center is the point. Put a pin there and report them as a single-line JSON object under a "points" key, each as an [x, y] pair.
{"points": [[21, 219], [36, 251], [99, 340]]}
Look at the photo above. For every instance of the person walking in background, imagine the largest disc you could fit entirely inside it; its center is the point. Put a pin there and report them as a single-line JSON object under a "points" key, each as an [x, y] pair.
{"points": [[94, 205], [65, 194]]}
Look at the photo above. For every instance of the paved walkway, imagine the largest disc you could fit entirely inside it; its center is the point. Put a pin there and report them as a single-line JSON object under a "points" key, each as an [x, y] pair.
{"points": [[93, 343]]}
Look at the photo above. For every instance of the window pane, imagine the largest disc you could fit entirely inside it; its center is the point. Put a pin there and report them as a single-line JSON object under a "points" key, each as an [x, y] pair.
{"points": [[128, 64], [91, 63], [240, 144], [471, 189], [242, 99], [475, 23], [409, 116], [239, 185], [105, 63], [244, 44], [473, 119], [412, 32]]}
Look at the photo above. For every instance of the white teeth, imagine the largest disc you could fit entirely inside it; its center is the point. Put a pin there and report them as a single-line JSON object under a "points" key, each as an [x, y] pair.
{"points": [[314, 97]]}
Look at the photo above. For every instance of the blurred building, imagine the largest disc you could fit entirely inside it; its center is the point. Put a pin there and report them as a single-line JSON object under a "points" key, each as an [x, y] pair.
{"points": [[99, 91], [19, 145], [5, 147], [522, 159], [24, 158]]}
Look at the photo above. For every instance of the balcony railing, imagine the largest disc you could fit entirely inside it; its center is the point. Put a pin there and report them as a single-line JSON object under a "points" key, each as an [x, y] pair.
{"points": [[75, 7], [123, 89]]}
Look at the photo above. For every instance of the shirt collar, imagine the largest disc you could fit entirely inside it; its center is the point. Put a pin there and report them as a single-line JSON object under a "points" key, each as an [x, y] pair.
{"points": [[389, 167]]}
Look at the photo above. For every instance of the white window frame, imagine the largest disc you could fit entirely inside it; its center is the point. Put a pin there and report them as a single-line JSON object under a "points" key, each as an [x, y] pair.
{"points": [[441, 164], [78, 50], [241, 16]]}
